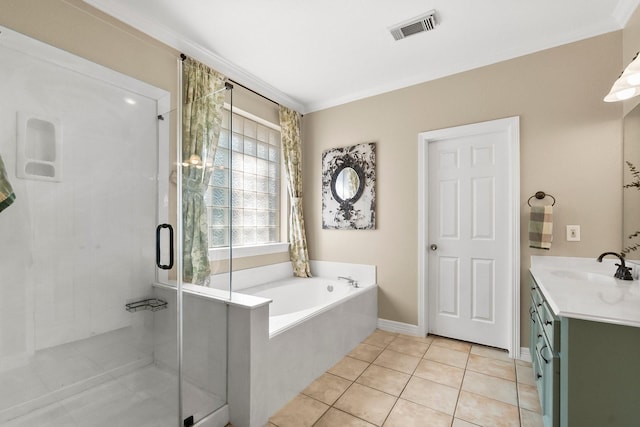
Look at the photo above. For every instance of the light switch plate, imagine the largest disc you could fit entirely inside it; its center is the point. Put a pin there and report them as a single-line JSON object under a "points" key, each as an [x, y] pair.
{"points": [[573, 233]]}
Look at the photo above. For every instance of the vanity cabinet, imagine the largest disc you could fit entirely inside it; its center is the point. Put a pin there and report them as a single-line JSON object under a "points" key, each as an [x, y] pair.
{"points": [[587, 371], [544, 346]]}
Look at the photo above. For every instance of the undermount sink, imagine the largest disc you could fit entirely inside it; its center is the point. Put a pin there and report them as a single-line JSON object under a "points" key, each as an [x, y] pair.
{"points": [[583, 276]]}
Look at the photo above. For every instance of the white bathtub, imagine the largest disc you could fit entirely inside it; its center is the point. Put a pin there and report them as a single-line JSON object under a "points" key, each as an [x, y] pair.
{"points": [[313, 323], [284, 332], [295, 300]]}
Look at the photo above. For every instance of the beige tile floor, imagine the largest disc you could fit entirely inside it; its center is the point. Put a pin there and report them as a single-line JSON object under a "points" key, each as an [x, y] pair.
{"points": [[395, 380]]}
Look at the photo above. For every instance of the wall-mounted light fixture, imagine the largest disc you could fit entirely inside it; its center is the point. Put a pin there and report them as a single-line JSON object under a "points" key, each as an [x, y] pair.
{"points": [[628, 84]]}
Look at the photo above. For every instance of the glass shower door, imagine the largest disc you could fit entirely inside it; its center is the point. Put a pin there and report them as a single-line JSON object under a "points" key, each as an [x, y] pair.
{"points": [[203, 342], [80, 148]]}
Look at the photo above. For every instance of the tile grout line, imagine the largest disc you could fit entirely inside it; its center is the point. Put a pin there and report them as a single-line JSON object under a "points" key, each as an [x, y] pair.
{"points": [[397, 398], [390, 411], [405, 386], [487, 397], [464, 374], [518, 394], [354, 382], [412, 374], [350, 385]]}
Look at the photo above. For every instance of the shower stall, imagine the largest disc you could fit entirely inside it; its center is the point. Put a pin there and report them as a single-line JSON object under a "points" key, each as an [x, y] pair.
{"points": [[94, 326]]}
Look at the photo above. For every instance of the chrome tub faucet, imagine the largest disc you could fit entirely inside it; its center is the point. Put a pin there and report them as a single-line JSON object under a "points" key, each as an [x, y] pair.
{"points": [[351, 281]]}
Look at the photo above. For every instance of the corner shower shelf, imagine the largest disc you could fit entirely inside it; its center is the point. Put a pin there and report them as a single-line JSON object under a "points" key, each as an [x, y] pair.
{"points": [[153, 304]]}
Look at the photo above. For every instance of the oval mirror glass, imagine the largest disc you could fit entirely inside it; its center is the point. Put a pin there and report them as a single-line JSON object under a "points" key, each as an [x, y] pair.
{"points": [[347, 183]]}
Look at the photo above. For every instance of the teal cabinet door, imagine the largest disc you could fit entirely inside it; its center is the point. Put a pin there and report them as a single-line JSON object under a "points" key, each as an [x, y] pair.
{"points": [[587, 372], [600, 374]]}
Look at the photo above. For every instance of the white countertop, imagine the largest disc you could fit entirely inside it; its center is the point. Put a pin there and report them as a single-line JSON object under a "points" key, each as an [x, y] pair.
{"points": [[583, 288]]}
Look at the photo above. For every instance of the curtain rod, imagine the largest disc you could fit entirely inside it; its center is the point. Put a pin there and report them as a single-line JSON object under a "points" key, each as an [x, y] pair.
{"points": [[183, 57], [253, 91]]}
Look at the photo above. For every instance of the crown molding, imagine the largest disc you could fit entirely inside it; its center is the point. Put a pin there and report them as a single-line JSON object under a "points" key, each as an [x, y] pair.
{"points": [[619, 18], [623, 11], [526, 48]]}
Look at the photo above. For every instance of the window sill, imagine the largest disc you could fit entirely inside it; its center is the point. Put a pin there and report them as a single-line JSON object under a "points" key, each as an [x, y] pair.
{"points": [[219, 254]]}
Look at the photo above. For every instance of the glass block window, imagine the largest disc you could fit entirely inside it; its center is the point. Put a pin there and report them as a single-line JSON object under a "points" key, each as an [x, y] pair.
{"points": [[244, 191]]}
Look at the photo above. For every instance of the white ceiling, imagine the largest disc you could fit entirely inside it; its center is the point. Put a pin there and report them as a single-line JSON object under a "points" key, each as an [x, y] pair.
{"points": [[314, 54]]}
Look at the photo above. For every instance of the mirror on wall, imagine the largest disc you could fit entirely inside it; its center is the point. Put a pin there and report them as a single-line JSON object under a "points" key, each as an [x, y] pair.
{"points": [[631, 186], [346, 184], [348, 187]]}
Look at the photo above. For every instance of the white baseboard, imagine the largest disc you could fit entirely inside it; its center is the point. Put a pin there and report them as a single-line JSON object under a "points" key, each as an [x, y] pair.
{"points": [[525, 354], [399, 327], [408, 329]]}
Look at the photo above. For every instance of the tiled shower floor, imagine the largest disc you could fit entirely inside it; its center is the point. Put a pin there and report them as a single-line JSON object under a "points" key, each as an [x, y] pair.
{"points": [[107, 380], [145, 397], [394, 380]]}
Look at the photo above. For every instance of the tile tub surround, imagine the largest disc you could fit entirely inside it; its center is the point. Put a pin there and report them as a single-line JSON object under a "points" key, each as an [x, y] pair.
{"points": [[302, 353], [398, 380]]}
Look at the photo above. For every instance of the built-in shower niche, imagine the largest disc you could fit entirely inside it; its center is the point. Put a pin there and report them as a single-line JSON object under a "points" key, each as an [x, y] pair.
{"points": [[39, 144]]}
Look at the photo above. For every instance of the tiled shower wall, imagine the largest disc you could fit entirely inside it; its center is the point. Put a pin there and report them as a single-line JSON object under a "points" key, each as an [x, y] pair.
{"points": [[74, 251]]}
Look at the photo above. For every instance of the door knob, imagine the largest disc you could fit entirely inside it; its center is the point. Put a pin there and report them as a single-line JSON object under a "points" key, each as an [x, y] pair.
{"points": [[433, 247]]}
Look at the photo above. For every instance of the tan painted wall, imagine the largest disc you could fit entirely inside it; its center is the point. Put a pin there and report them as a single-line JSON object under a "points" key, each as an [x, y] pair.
{"points": [[570, 147], [80, 29]]}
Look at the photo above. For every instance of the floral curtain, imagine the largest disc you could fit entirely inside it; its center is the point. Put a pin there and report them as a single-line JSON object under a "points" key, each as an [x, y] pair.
{"points": [[292, 150], [203, 99], [6, 192]]}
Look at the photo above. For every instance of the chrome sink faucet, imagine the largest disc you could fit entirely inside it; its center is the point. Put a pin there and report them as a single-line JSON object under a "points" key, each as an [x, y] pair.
{"points": [[351, 281], [623, 272]]}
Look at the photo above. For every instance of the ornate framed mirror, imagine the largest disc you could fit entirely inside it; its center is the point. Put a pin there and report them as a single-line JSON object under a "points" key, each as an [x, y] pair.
{"points": [[348, 187]]}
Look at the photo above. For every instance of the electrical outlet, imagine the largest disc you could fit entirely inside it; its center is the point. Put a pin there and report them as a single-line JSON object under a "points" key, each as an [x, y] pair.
{"points": [[573, 233]]}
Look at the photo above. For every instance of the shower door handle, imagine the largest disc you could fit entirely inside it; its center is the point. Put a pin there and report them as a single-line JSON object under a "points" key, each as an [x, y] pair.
{"points": [[158, 230]]}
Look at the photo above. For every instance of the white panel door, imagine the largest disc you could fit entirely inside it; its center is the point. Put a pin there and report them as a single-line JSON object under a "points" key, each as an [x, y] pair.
{"points": [[469, 262]]}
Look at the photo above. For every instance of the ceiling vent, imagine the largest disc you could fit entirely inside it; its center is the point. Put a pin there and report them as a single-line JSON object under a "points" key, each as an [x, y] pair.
{"points": [[419, 24]]}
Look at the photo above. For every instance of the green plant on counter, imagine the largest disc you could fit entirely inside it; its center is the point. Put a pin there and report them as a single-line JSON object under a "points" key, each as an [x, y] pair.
{"points": [[635, 183], [635, 173]]}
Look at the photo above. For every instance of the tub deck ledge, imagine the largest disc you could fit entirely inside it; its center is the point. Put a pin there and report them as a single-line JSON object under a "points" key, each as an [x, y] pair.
{"points": [[237, 299]]}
